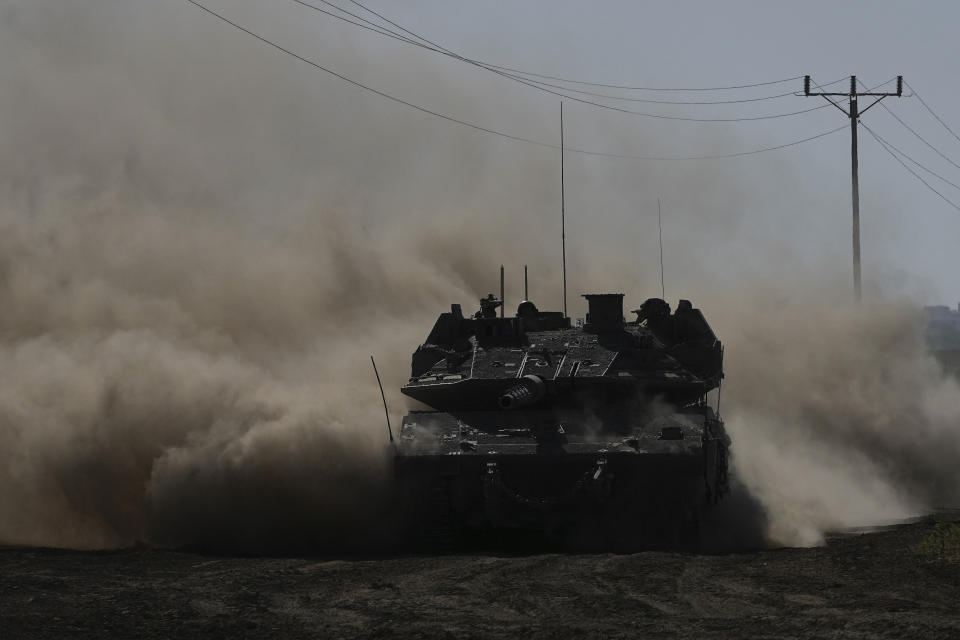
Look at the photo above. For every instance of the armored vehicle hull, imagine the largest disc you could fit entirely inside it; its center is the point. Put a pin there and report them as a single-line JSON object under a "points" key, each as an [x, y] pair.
{"points": [[589, 437]]}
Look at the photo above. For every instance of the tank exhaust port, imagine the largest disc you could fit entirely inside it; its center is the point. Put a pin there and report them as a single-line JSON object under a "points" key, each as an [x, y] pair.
{"points": [[528, 390]]}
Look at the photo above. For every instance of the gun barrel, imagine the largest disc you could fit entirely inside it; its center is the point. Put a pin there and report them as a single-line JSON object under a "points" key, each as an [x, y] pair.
{"points": [[527, 391]]}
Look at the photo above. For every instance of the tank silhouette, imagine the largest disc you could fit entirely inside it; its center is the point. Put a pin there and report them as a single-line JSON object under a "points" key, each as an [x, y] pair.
{"points": [[595, 436]]}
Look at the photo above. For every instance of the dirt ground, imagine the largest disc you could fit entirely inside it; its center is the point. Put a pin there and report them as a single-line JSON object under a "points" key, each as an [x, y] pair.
{"points": [[871, 585]]}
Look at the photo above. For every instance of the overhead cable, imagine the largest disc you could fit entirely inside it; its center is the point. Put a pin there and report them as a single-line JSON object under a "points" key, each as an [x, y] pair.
{"points": [[580, 82], [477, 127], [920, 98], [914, 132], [431, 46], [679, 102], [712, 157], [546, 88], [364, 23], [643, 88], [914, 173], [921, 138], [882, 140]]}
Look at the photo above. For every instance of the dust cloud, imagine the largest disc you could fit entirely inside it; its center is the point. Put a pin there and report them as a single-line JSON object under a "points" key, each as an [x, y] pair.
{"points": [[839, 417], [171, 390], [188, 312], [201, 245]]}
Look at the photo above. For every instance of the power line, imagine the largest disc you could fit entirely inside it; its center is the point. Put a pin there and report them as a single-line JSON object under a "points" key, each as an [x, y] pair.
{"points": [[678, 102], [581, 82], [436, 48], [920, 98], [401, 27], [921, 138], [642, 88], [368, 25], [711, 157], [539, 86], [494, 131], [882, 140], [914, 173], [359, 84]]}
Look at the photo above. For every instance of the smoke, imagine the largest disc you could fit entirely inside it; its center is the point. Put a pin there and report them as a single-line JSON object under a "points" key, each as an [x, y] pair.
{"points": [[201, 243]]}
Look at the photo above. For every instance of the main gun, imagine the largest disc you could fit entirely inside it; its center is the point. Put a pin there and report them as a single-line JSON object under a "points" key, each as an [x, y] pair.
{"points": [[527, 391]]}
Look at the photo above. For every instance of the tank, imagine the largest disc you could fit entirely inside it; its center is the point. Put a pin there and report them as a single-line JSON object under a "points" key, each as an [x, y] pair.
{"points": [[594, 436]]}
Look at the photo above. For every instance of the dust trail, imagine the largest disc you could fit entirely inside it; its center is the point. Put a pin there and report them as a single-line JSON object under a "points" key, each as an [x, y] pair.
{"points": [[839, 417], [195, 394], [187, 314], [204, 387]]}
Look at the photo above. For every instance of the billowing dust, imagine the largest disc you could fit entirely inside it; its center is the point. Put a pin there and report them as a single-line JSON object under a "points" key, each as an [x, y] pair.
{"points": [[200, 248], [838, 416]]}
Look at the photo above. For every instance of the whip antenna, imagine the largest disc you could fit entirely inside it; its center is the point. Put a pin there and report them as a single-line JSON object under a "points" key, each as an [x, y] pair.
{"points": [[563, 216], [503, 302], [382, 396], [663, 292], [720, 382]]}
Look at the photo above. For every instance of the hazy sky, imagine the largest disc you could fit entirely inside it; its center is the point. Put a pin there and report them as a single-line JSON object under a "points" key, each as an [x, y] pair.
{"points": [[704, 44], [170, 52]]}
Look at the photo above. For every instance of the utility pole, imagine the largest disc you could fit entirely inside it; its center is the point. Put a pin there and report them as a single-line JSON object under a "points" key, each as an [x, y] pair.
{"points": [[854, 114]]}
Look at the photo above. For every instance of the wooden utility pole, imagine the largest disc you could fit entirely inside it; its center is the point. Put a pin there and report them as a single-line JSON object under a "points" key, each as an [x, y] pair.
{"points": [[854, 114]]}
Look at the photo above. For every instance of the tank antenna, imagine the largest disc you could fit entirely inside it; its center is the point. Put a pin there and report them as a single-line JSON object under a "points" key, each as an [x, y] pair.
{"points": [[720, 382], [526, 290], [719, 388], [384, 397], [663, 292], [502, 301], [563, 216]]}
